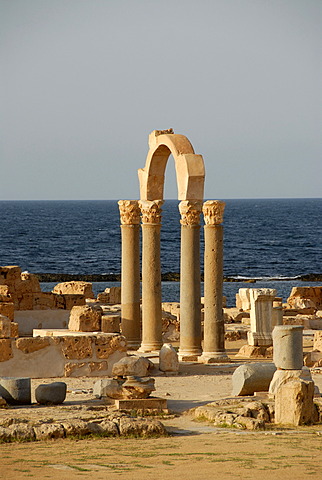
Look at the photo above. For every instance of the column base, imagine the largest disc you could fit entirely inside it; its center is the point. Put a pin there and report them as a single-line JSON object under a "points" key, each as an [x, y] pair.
{"points": [[189, 355], [214, 357], [150, 347], [133, 344]]}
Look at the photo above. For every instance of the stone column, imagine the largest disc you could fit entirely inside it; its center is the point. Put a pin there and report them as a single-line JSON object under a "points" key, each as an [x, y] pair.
{"points": [[288, 347], [277, 312], [261, 306], [190, 294], [130, 291], [151, 276], [214, 327]]}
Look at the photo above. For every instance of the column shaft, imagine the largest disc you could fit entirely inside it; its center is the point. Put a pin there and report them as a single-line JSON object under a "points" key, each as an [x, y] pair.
{"points": [[130, 322], [214, 328], [190, 295], [151, 276]]}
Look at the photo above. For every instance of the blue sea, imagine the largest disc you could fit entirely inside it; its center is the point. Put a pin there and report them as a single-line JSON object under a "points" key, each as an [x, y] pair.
{"points": [[272, 240]]}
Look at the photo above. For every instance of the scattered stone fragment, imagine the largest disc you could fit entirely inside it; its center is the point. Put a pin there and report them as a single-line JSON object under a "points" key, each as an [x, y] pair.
{"points": [[51, 394], [132, 365], [168, 359]]}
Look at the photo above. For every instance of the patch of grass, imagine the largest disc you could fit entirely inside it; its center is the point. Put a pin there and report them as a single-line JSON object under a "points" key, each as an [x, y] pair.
{"points": [[80, 469]]}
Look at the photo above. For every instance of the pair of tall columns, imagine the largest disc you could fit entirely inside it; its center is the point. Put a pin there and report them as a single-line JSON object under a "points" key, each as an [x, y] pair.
{"points": [[190, 303]]}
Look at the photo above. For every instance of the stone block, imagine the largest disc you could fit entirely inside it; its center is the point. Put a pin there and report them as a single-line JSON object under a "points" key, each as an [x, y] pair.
{"points": [[77, 348], [108, 387], [305, 298], [282, 376], [8, 310], [16, 391], [5, 349], [68, 301], [43, 300], [85, 319], [14, 329], [151, 403], [5, 329], [97, 367], [317, 341], [253, 377], [9, 274], [168, 359], [244, 298], [51, 394], [110, 323], [294, 402], [32, 344], [132, 365], [74, 287], [49, 431], [26, 302], [30, 283], [105, 345]]}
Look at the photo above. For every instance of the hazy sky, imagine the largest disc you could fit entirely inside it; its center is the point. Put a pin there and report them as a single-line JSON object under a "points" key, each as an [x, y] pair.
{"points": [[83, 83]]}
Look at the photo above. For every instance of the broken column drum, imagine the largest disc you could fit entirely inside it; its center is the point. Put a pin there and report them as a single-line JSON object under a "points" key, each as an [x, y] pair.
{"points": [[288, 347], [190, 295], [130, 292], [261, 302], [151, 276], [214, 328]]}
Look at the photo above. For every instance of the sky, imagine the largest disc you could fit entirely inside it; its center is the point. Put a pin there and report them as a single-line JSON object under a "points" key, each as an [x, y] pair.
{"points": [[84, 82]]}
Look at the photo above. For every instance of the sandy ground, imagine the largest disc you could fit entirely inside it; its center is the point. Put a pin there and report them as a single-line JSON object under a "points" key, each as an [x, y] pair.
{"points": [[194, 450]]}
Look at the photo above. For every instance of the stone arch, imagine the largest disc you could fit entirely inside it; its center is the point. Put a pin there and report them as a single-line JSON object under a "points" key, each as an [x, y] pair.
{"points": [[190, 169]]}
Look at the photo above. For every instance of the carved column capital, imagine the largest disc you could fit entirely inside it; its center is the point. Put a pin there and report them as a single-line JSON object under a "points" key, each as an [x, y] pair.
{"points": [[213, 211], [151, 211], [129, 212], [190, 211]]}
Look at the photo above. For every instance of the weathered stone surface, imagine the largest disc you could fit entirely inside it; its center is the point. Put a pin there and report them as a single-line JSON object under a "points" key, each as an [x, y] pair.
{"points": [[294, 403], [9, 274], [253, 377], [288, 347], [76, 428], [243, 299], [305, 298], [29, 283], [168, 359], [141, 427], [97, 366], [21, 432], [74, 369], [108, 428], [14, 329], [261, 301], [110, 295], [170, 326], [74, 287], [30, 344], [77, 347], [85, 319], [250, 351], [5, 329], [5, 349], [8, 310], [48, 431], [43, 300], [108, 387], [283, 376], [137, 387], [110, 323], [51, 394], [132, 365], [105, 345], [234, 315], [317, 341], [68, 301], [16, 391]]}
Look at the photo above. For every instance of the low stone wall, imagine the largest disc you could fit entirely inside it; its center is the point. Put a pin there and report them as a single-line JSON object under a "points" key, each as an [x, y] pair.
{"points": [[63, 356]]}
